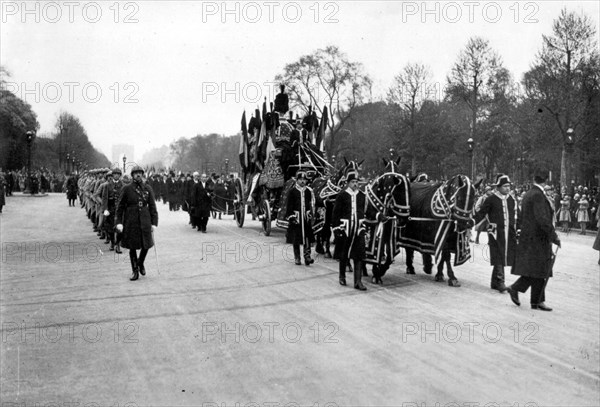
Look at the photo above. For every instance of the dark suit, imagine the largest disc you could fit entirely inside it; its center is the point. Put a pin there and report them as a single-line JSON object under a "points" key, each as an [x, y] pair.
{"points": [[534, 250], [201, 205]]}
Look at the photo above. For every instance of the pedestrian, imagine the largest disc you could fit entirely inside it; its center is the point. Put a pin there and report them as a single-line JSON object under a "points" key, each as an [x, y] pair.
{"points": [[71, 189], [534, 257], [299, 214], [201, 202], [2, 199], [501, 212], [220, 201], [348, 215], [583, 216], [136, 217], [596, 245], [564, 217]]}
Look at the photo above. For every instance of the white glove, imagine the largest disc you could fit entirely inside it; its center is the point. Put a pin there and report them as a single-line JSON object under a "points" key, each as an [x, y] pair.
{"points": [[120, 228], [153, 228], [106, 213]]}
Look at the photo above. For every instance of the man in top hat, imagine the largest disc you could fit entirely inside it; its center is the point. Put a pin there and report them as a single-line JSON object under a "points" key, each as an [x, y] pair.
{"points": [[348, 214], [136, 217], [534, 257], [110, 193], [299, 213], [501, 213], [201, 202]]}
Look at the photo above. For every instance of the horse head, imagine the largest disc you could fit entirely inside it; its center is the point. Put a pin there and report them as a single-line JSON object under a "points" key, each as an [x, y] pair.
{"points": [[460, 195], [390, 193]]}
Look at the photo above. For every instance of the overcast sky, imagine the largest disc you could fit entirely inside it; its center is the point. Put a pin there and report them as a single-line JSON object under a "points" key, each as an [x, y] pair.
{"points": [[148, 72]]}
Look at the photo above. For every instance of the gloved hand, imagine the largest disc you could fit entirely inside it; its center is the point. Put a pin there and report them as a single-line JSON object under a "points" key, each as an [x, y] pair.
{"points": [[106, 213], [119, 228], [153, 228]]}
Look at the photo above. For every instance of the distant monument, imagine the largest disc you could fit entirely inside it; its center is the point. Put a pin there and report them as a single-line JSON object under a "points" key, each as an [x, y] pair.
{"points": [[118, 150]]}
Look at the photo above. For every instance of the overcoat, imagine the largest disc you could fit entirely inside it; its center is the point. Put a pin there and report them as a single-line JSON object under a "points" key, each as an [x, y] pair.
{"points": [[534, 250], [201, 200], [72, 188], [136, 211], [348, 213], [300, 207], [502, 215]]}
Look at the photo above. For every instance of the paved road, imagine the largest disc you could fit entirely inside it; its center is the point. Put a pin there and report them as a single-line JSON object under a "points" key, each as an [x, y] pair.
{"points": [[230, 319]]}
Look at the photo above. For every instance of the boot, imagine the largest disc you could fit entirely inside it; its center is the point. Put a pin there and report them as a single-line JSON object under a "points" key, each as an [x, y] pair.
{"points": [[141, 268], [134, 274], [498, 279], [118, 248], [342, 273], [297, 260], [358, 276]]}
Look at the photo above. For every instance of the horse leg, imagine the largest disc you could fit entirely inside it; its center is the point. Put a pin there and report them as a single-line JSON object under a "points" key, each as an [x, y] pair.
{"points": [[440, 270], [410, 254], [452, 280]]}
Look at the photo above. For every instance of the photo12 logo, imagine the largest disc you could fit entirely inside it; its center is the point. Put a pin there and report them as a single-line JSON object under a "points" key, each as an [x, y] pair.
{"points": [[270, 11], [71, 92], [53, 12], [469, 11]]}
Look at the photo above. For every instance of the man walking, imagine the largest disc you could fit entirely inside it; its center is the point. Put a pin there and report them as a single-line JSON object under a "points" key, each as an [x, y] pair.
{"points": [[500, 212], [533, 260], [110, 193], [137, 218], [201, 202], [348, 214], [299, 213]]}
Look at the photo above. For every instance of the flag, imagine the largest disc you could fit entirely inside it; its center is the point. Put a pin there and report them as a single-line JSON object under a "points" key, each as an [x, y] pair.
{"points": [[322, 129], [244, 144]]}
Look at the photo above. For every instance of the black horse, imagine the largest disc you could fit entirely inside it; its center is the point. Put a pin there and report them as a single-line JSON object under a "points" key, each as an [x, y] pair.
{"points": [[388, 208], [440, 219]]}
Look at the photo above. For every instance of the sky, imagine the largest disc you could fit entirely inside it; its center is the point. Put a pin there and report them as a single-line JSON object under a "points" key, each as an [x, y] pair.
{"points": [[149, 72]]}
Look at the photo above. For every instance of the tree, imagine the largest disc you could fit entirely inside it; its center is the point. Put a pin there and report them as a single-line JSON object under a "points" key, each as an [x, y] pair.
{"points": [[564, 81], [16, 119], [473, 80], [410, 89], [327, 77]]}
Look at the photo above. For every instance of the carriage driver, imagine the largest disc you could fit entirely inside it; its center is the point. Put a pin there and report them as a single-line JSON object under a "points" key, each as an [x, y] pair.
{"points": [[348, 214], [299, 213]]}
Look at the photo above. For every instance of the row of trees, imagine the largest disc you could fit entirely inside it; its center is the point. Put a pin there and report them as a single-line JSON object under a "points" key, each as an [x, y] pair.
{"points": [[69, 141], [549, 118]]}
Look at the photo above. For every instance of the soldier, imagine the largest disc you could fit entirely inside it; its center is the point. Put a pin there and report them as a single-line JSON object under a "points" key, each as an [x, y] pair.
{"points": [[136, 217], [348, 214], [501, 212], [299, 213], [110, 194]]}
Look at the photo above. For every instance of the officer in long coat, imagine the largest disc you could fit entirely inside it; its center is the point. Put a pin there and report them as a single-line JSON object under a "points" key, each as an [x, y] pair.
{"points": [[348, 214], [299, 213], [110, 194], [534, 259], [201, 202], [501, 213], [136, 217]]}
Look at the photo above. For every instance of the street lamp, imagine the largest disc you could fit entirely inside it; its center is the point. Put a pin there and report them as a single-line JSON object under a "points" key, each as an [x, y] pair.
{"points": [[124, 161], [29, 137], [67, 163], [227, 166], [470, 146], [73, 162]]}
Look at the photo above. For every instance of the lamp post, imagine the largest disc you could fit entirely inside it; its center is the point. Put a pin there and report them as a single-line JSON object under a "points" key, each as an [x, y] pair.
{"points": [[124, 161], [470, 146], [67, 162], [569, 142], [333, 160], [73, 163], [227, 166], [29, 136]]}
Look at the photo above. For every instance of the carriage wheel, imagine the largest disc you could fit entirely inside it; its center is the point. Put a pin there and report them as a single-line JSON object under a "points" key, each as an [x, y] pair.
{"points": [[239, 205], [240, 213], [266, 221]]}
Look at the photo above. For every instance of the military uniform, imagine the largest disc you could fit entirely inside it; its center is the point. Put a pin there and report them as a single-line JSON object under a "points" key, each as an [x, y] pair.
{"points": [[110, 195]]}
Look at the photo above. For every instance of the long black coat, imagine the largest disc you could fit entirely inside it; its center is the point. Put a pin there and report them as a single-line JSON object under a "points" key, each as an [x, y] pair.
{"points": [[201, 200], [502, 219], [345, 218], [136, 211], [294, 206], [534, 250]]}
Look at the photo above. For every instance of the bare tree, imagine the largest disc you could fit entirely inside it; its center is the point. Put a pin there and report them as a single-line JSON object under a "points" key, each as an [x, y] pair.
{"points": [[327, 78]]}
